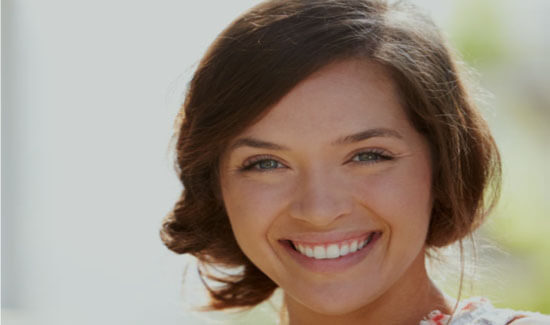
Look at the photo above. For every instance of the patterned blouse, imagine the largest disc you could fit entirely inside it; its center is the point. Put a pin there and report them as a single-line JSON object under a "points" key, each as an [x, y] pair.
{"points": [[479, 311]]}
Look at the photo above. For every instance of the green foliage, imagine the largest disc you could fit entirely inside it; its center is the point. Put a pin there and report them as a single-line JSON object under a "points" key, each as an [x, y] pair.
{"points": [[520, 224], [477, 31]]}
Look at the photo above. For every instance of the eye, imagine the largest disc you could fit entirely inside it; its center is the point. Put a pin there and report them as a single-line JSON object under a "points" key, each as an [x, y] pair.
{"points": [[261, 164], [371, 156]]}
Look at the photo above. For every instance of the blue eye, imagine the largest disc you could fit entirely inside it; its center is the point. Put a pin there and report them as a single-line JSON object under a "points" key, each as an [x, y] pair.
{"points": [[371, 156], [267, 164], [262, 165]]}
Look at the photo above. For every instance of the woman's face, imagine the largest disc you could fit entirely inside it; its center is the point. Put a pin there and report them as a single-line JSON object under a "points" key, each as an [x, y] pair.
{"points": [[330, 193]]}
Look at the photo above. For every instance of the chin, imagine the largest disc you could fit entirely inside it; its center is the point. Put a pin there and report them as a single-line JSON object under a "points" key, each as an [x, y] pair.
{"points": [[332, 304], [337, 309]]}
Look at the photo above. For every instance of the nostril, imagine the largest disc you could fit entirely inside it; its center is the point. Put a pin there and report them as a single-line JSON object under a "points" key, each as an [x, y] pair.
{"points": [[321, 207]]}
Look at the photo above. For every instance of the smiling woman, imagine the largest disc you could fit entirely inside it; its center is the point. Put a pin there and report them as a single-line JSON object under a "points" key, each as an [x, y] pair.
{"points": [[327, 147], [335, 223]]}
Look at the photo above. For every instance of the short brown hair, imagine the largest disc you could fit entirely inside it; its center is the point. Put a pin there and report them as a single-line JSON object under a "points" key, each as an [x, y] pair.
{"points": [[267, 51]]}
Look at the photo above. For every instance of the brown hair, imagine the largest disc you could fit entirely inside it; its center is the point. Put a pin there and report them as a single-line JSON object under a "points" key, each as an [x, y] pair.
{"points": [[260, 57]]}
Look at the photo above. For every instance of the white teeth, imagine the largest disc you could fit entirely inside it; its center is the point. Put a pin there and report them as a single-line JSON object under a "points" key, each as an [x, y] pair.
{"points": [[319, 252], [344, 250], [353, 246], [333, 251]]}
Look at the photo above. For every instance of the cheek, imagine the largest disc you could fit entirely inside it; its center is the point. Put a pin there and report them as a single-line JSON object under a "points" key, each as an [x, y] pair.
{"points": [[252, 207], [401, 197]]}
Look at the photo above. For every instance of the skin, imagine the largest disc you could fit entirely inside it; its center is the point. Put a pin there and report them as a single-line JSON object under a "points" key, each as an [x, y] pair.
{"points": [[307, 184]]}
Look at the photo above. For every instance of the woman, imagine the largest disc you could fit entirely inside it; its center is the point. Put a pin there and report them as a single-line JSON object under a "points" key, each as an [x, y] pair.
{"points": [[328, 148]]}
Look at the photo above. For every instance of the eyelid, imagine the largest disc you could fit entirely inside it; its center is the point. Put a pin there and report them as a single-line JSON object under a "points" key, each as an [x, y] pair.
{"points": [[248, 164], [383, 153]]}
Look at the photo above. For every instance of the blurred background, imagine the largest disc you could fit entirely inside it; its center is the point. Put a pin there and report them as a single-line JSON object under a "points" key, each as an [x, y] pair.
{"points": [[90, 90]]}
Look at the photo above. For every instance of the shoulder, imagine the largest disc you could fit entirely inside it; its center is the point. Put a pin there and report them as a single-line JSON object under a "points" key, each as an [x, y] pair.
{"points": [[537, 319], [480, 311]]}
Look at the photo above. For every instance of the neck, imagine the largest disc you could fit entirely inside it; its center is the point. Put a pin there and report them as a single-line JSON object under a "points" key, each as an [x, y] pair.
{"points": [[408, 301]]}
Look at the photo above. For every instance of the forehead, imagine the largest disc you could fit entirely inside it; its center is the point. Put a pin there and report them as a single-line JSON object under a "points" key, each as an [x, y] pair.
{"points": [[340, 98]]}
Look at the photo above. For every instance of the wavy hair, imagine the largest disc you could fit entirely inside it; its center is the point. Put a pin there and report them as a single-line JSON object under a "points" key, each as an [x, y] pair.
{"points": [[267, 51]]}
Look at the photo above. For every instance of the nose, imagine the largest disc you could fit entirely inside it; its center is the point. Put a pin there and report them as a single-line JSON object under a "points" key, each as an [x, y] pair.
{"points": [[321, 197]]}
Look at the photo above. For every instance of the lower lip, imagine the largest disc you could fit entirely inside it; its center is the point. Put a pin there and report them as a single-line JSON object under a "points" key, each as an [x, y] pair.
{"points": [[331, 265]]}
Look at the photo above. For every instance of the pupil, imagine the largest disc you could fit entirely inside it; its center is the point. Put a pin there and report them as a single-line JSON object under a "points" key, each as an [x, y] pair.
{"points": [[266, 164], [366, 156]]}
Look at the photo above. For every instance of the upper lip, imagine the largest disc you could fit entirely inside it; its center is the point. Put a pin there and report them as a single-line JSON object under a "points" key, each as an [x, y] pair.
{"points": [[327, 237]]}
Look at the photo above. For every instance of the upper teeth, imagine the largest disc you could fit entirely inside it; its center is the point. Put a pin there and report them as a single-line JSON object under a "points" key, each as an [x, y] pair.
{"points": [[330, 251]]}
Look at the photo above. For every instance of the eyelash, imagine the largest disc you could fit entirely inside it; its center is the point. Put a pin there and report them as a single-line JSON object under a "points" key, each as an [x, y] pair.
{"points": [[249, 165], [380, 155]]}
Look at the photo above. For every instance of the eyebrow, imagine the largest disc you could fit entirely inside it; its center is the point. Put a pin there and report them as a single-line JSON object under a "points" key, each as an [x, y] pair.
{"points": [[255, 143], [349, 139], [367, 134]]}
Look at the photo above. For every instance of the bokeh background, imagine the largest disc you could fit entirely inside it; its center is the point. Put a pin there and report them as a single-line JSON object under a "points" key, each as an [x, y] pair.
{"points": [[90, 90]]}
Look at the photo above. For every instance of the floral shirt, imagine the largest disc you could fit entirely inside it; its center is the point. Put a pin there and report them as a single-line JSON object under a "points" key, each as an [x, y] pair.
{"points": [[476, 311]]}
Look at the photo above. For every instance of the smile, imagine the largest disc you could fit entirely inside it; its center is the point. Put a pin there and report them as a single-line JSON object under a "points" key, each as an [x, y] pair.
{"points": [[329, 253], [332, 250]]}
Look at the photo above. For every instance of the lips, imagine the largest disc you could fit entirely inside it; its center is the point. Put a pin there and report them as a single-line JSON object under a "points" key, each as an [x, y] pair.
{"points": [[330, 252], [333, 249]]}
